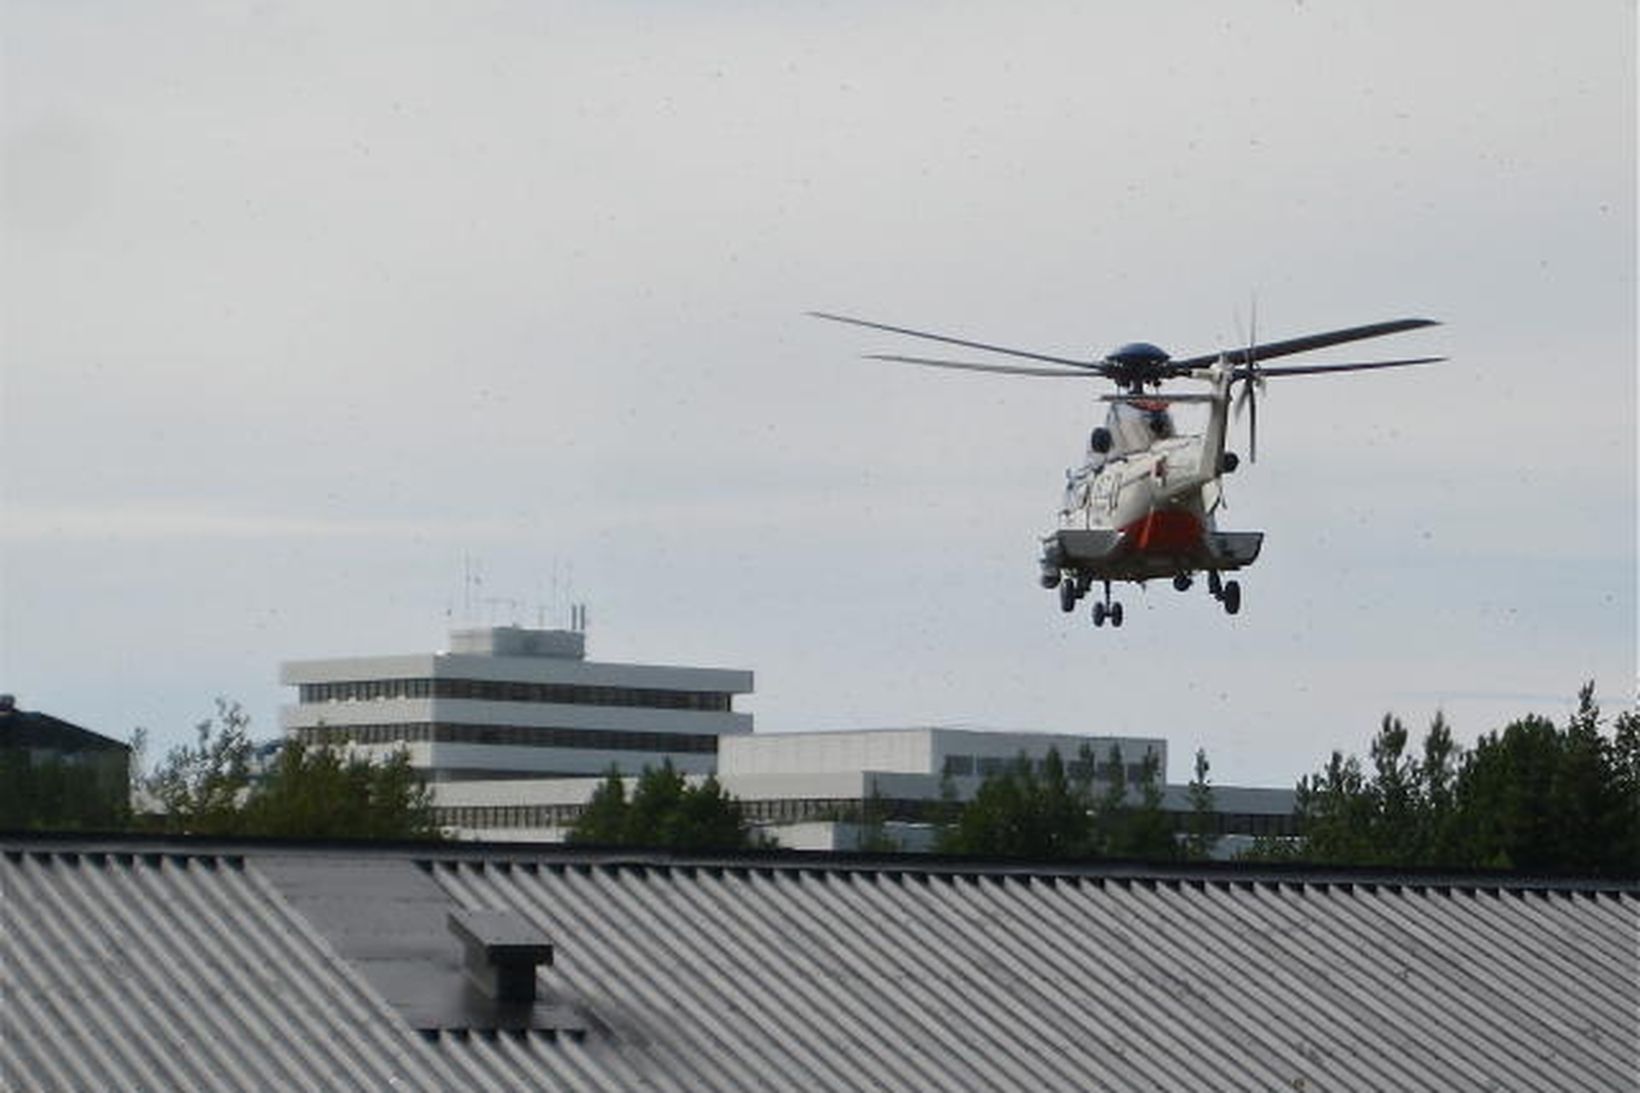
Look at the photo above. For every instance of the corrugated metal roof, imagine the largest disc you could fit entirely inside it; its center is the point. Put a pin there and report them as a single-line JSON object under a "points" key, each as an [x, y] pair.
{"points": [[189, 968], [178, 971]]}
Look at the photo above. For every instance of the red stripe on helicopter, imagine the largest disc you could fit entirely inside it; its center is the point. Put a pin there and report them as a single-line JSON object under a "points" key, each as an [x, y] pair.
{"points": [[1165, 531]]}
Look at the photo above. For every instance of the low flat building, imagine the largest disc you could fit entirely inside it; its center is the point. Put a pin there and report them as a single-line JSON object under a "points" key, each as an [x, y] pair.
{"points": [[834, 790], [507, 702]]}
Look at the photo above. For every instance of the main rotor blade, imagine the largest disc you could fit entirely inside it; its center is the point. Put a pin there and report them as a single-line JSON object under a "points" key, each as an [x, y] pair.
{"points": [[956, 341], [1313, 369], [1307, 342], [1006, 369]]}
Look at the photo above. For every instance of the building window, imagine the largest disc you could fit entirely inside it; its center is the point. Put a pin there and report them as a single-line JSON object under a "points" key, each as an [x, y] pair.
{"points": [[515, 735], [567, 694]]}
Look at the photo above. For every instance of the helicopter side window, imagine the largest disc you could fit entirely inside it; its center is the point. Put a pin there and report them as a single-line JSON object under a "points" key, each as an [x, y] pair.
{"points": [[1161, 425]]}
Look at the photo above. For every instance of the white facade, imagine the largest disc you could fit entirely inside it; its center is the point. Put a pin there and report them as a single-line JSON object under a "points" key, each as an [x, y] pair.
{"points": [[507, 702], [966, 755]]}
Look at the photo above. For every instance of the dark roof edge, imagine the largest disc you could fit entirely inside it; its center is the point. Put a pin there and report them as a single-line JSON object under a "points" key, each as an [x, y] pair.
{"points": [[35, 729], [558, 854]]}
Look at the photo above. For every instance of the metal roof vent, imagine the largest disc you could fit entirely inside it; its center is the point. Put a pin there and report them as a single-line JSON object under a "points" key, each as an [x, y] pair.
{"points": [[502, 953]]}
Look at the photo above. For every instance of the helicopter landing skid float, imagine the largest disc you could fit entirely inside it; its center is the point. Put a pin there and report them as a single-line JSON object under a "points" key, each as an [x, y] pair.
{"points": [[1074, 558]]}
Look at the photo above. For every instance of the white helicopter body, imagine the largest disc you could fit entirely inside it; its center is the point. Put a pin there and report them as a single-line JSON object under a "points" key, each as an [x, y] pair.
{"points": [[1142, 504]]}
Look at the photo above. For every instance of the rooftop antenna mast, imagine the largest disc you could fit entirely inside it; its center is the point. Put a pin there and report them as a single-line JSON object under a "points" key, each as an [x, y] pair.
{"points": [[473, 600], [492, 603]]}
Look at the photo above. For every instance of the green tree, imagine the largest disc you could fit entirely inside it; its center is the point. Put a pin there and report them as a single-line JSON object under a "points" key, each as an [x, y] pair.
{"points": [[657, 803], [1336, 812], [1041, 810], [1394, 790], [603, 821], [1625, 768], [210, 788], [199, 789], [1200, 835], [1503, 818], [1531, 796], [707, 818], [320, 793], [1583, 792], [1141, 829], [1437, 780], [663, 812], [1109, 805], [1399, 814], [1023, 811]]}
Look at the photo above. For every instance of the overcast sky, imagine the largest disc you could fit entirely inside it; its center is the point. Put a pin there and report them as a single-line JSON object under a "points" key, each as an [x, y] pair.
{"points": [[308, 305]]}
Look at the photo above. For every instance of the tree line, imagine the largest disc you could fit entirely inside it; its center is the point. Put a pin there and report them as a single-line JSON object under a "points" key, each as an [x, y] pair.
{"points": [[664, 812], [1531, 796], [1091, 810], [218, 786]]}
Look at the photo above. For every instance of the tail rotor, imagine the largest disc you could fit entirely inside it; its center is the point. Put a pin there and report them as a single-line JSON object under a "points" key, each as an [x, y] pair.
{"points": [[1252, 384]]}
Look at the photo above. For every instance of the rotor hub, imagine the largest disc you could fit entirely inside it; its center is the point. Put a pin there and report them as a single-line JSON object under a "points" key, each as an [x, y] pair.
{"points": [[1137, 364]]}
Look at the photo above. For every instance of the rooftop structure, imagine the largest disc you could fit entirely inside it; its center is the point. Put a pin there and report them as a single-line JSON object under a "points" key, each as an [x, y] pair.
{"points": [[45, 736], [53, 773], [927, 752], [168, 963], [508, 702]]}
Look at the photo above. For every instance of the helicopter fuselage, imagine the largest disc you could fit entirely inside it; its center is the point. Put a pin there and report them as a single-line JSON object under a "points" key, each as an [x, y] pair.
{"points": [[1141, 505]]}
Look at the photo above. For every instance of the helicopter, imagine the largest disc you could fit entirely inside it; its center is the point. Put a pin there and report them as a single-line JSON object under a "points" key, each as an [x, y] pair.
{"points": [[1142, 504]]}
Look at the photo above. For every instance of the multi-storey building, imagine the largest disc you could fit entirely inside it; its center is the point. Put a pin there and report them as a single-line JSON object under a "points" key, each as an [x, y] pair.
{"points": [[507, 702]]}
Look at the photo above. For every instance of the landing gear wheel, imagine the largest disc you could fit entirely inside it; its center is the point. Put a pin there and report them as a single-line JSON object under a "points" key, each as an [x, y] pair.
{"points": [[1232, 597], [1215, 587], [1099, 614], [1182, 582], [1067, 596], [1115, 614]]}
